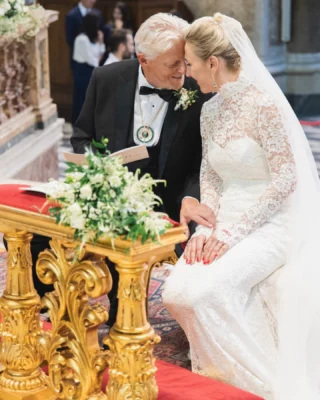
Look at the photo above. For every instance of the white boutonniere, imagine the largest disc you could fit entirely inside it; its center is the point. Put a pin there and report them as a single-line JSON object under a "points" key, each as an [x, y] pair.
{"points": [[186, 98]]}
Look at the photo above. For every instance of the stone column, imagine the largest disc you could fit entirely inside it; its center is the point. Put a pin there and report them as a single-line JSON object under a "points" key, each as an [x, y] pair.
{"points": [[303, 58], [29, 128]]}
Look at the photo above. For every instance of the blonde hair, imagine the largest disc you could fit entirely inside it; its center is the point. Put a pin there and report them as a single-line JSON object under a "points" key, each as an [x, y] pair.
{"points": [[208, 38], [159, 34]]}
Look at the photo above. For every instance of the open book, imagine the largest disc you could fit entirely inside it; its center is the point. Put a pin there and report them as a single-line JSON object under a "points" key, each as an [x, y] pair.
{"points": [[128, 155]]}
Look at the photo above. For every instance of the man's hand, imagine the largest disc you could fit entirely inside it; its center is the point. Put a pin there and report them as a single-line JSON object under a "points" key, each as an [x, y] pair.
{"points": [[192, 210]]}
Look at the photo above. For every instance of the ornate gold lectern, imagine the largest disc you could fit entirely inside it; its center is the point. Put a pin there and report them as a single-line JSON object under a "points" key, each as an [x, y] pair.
{"points": [[71, 349]]}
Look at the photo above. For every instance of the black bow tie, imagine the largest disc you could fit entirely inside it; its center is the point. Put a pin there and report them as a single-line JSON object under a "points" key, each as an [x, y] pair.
{"points": [[165, 94]]}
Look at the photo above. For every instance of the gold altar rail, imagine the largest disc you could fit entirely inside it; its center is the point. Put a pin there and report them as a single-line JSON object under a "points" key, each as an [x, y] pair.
{"points": [[71, 349]]}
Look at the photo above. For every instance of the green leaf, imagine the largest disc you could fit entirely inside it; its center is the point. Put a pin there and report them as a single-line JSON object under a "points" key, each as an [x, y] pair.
{"points": [[98, 145]]}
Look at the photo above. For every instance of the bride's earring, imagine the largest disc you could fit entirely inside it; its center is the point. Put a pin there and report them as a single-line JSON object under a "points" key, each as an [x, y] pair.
{"points": [[214, 83]]}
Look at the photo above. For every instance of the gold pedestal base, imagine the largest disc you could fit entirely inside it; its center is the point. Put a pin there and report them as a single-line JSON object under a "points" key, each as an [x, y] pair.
{"points": [[132, 365], [42, 394]]}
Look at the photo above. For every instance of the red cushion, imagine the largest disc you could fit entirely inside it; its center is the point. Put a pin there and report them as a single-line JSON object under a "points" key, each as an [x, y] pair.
{"points": [[12, 196], [176, 383]]}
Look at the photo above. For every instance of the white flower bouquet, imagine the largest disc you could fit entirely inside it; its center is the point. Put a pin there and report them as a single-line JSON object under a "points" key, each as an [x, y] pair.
{"points": [[104, 199], [18, 21], [11, 8]]}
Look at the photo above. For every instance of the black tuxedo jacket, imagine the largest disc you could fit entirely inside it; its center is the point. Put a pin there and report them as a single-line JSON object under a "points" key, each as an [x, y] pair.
{"points": [[108, 112]]}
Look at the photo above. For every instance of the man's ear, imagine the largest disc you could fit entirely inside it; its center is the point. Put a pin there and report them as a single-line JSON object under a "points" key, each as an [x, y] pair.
{"points": [[142, 59]]}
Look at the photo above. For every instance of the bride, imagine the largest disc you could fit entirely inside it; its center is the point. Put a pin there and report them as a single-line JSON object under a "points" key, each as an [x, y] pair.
{"points": [[246, 292]]}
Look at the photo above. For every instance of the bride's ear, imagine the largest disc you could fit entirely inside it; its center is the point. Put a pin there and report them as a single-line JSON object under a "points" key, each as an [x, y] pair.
{"points": [[213, 62]]}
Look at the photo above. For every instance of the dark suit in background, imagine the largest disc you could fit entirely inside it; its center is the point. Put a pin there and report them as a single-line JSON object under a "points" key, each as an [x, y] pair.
{"points": [[73, 25]]}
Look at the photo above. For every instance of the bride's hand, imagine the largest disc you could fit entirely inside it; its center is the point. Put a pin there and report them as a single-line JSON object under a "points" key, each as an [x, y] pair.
{"points": [[193, 251], [213, 249]]}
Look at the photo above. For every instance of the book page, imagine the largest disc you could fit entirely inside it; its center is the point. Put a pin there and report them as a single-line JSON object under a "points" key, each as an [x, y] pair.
{"points": [[131, 154], [128, 155], [39, 187]]}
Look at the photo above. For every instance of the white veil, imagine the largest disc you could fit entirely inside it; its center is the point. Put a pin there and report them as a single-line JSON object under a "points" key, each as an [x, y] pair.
{"points": [[298, 366]]}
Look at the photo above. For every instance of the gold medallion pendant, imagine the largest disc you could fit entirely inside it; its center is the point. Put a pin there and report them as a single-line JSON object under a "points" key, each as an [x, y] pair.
{"points": [[145, 134]]}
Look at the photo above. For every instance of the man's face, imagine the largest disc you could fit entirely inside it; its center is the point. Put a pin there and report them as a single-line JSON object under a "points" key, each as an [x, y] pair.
{"points": [[88, 3], [129, 46], [167, 70]]}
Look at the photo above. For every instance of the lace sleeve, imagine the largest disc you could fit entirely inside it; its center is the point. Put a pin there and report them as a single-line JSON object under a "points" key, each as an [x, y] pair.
{"points": [[210, 187], [275, 142]]}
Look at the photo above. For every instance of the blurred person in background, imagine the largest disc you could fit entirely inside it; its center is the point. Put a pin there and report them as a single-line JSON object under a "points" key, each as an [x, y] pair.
{"points": [[121, 46], [121, 19], [89, 47], [74, 21]]}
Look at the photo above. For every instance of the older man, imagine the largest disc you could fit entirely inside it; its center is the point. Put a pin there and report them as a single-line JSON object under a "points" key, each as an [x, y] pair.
{"points": [[133, 102]]}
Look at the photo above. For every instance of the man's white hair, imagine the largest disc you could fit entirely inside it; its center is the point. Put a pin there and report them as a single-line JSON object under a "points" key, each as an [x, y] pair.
{"points": [[159, 34]]}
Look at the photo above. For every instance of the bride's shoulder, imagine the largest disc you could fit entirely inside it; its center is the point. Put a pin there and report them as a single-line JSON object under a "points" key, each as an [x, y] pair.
{"points": [[266, 103], [259, 96]]}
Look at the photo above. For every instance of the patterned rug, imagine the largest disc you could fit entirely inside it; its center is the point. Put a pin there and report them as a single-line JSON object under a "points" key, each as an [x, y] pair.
{"points": [[173, 347]]}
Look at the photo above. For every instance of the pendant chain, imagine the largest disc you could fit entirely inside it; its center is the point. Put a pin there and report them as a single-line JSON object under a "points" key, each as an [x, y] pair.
{"points": [[163, 104]]}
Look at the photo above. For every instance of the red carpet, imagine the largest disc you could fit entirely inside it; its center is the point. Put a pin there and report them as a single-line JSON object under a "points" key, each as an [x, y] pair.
{"points": [[176, 383], [310, 123]]}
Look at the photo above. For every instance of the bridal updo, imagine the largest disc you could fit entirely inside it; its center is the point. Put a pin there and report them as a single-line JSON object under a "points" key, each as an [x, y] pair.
{"points": [[208, 38]]}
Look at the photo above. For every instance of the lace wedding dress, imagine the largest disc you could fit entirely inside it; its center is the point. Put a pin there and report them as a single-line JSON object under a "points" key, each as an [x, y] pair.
{"points": [[227, 309]]}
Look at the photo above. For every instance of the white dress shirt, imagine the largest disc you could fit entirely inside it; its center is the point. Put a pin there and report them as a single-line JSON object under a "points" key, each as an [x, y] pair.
{"points": [[87, 52], [149, 110], [150, 105], [84, 11], [111, 59]]}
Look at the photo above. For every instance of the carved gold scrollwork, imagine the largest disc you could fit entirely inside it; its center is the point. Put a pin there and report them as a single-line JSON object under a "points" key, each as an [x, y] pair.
{"points": [[23, 344], [76, 362], [131, 369], [133, 289]]}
